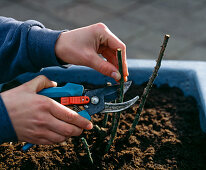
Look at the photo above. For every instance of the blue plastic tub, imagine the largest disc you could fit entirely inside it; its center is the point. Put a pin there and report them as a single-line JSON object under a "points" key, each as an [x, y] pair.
{"points": [[189, 76]]}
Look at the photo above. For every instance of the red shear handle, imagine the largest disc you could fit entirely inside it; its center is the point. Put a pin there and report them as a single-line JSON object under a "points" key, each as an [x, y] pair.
{"points": [[76, 100]]}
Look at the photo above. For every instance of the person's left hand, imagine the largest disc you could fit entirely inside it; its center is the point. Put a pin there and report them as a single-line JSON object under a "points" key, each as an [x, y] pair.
{"points": [[82, 46], [38, 119]]}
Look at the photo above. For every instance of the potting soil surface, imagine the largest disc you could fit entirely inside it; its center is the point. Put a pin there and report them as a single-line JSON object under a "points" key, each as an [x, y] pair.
{"points": [[168, 135]]}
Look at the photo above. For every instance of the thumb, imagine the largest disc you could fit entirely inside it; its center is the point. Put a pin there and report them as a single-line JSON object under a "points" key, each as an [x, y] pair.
{"points": [[39, 83], [105, 67]]}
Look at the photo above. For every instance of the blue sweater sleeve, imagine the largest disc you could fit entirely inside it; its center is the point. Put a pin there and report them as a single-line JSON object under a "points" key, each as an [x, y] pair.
{"points": [[25, 47], [7, 133]]}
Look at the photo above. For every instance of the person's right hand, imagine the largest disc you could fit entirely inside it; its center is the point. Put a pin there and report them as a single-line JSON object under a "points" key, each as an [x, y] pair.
{"points": [[38, 119], [81, 47]]}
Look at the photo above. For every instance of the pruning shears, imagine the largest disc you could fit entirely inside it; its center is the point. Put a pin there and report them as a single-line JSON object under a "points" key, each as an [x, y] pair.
{"points": [[93, 101]]}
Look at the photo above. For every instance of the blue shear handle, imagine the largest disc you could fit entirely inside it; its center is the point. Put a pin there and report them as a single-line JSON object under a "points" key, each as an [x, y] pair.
{"points": [[82, 113], [85, 114], [70, 89], [27, 146]]}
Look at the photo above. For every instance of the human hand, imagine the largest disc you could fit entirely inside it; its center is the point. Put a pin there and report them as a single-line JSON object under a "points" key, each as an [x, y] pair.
{"points": [[38, 119], [82, 46]]}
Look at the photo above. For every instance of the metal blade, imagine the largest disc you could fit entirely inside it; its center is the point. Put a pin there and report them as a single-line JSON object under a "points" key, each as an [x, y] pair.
{"points": [[117, 107], [110, 92], [126, 86]]}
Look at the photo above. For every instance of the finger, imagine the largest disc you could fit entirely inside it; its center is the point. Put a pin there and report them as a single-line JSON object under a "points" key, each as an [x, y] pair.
{"points": [[38, 141], [104, 67], [48, 137], [111, 56], [69, 116], [54, 137], [45, 141], [113, 42], [63, 128], [39, 83], [41, 141]]}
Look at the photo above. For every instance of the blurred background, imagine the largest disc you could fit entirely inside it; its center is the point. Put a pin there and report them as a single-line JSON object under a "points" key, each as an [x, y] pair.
{"points": [[140, 24]]}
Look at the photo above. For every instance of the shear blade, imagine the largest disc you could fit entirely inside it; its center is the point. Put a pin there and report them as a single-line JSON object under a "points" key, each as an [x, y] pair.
{"points": [[126, 86], [117, 107]]}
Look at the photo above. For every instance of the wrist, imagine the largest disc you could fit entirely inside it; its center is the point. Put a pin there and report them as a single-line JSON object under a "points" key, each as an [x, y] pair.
{"points": [[59, 49]]}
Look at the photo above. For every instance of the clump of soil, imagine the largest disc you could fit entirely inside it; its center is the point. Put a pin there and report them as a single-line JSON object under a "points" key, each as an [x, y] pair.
{"points": [[168, 135]]}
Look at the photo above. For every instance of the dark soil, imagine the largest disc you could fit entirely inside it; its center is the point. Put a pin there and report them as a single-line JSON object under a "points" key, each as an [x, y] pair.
{"points": [[168, 136]]}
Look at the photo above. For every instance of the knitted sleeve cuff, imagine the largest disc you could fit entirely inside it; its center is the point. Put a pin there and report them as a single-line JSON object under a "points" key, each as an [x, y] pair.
{"points": [[7, 132], [41, 47]]}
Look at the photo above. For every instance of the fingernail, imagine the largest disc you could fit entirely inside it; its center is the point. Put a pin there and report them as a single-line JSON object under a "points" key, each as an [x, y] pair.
{"points": [[54, 83], [116, 75], [89, 126]]}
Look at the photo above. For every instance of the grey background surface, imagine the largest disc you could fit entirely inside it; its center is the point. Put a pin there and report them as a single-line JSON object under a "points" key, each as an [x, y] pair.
{"points": [[140, 24]]}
